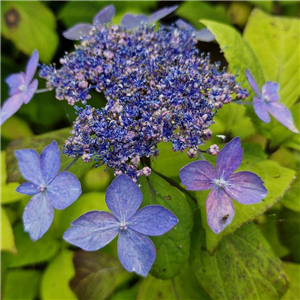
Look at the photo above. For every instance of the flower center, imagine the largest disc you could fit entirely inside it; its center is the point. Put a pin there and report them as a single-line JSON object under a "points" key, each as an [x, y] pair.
{"points": [[42, 188], [23, 88], [123, 225], [220, 183]]}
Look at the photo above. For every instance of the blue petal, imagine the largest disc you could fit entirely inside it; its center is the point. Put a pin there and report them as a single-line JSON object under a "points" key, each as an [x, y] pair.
{"points": [[29, 165], [204, 35], [181, 24], [158, 15], [38, 216], [260, 109], [123, 197], [64, 190], [31, 66], [77, 32], [252, 83], [246, 188], [28, 188], [15, 81], [27, 96], [11, 106], [129, 22], [270, 91], [105, 15], [219, 210], [136, 252], [50, 162], [153, 220], [198, 176], [229, 158], [92, 230]]}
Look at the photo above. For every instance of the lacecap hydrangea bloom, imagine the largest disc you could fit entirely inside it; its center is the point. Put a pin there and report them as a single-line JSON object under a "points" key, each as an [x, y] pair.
{"points": [[136, 251], [50, 188], [157, 87], [244, 187]]}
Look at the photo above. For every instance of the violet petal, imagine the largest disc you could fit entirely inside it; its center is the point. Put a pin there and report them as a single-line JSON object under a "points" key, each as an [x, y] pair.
{"points": [[219, 210], [136, 252], [260, 109], [129, 22], [11, 106], [31, 89], [181, 24], [246, 188], [63, 190], [158, 15], [123, 197], [31, 67], [92, 231], [27, 188], [229, 158], [77, 32], [204, 35], [15, 81], [105, 15], [38, 216], [153, 220], [282, 115], [270, 91], [198, 175], [29, 165], [50, 162], [253, 83]]}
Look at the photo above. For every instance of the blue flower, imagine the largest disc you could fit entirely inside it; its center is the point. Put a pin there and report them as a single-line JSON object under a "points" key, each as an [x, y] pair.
{"points": [[245, 187], [268, 102], [101, 18], [96, 229], [50, 189], [22, 88]]}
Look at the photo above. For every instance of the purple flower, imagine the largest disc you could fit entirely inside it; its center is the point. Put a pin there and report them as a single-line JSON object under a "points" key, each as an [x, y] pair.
{"points": [[21, 88], [50, 189], [201, 35], [133, 21], [268, 102], [96, 229], [245, 187], [102, 17]]}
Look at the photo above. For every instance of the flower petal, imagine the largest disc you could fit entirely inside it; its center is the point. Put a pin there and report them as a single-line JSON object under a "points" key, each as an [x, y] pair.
{"points": [[153, 220], [38, 216], [219, 210], [282, 115], [270, 91], [129, 21], [29, 165], [50, 162], [260, 109], [246, 188], [31, 67], [15, 81], [27, 188], [64, 190], [198, 175], [27, 96], [181, 24], [229, 158], [76, 32], [123, 197], [158, 15], [10, 107], [93, 230], [205, 35], [136, 252], [105, 15], [253, 83]]}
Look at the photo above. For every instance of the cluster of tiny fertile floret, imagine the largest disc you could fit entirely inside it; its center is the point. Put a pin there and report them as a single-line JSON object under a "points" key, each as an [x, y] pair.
{"points": [[157, 87]]}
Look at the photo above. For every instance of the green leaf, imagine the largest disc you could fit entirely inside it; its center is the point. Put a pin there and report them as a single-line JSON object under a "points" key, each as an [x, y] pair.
{"points": [[183, 286], [293, 271], [243, 267], [192, 11], [15, 128], [291, 198], [276, 179], [21, 284], [97, 179], [39, 143], [55, 280], [7, 235], [30, 30], [126, 294], [30, 252], [172, 248], [97, 275], [265, 5]]}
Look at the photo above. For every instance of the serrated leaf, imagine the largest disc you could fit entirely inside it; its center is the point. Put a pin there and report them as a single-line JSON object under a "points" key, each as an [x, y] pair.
{"points": [[55, 280], [277, 181], [7, 235], [291, 198], [30, 30], [293, 271], [97, 275], [38, 143], [21, 284], [172, 248]]}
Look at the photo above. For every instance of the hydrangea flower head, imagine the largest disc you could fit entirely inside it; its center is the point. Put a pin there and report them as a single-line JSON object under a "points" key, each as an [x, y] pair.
{"points": [[101, 18], [267, 102], [50, 188], [96, 229], [21, 88], [244, 187]]}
